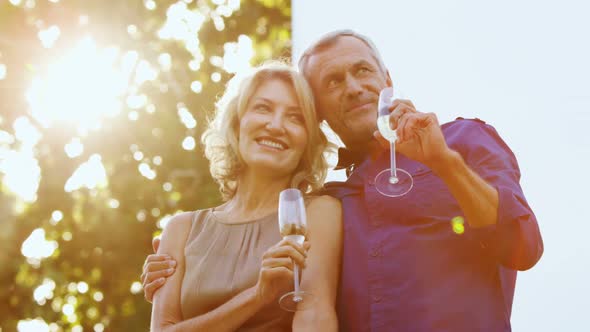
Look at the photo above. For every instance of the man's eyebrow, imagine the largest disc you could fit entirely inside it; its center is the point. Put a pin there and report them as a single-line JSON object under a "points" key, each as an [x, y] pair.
{"points": [[362, 63]]}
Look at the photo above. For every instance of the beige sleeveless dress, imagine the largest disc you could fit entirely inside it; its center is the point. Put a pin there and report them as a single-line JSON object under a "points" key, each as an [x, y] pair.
{"points": [[222, 260]]}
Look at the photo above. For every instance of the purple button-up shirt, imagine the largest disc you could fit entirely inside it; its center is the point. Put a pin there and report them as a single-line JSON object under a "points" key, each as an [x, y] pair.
{"points": [[405, 268]]}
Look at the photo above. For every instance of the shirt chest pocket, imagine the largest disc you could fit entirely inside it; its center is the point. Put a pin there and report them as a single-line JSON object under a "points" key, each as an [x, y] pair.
{"points": [[429, 201]]}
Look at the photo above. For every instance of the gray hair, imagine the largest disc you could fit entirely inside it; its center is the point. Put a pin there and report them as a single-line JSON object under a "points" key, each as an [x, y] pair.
{"points": [[330, 39]]}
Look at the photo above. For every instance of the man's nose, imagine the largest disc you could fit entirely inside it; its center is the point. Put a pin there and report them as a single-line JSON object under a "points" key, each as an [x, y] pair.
{"points": [[353, 86]]}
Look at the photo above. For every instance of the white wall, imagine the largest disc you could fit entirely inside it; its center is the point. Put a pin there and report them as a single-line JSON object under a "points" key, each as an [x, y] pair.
{"points": [[522, 66]]}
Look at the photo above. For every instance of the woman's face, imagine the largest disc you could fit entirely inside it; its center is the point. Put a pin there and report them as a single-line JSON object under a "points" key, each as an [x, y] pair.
{"points": [[272, 129]]}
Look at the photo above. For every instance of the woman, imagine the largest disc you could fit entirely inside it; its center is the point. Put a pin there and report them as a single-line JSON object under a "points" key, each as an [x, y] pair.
{"points": [[232, 265]]}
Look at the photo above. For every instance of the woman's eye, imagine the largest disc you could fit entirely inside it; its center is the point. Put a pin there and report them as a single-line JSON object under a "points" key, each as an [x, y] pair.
{"points": [[261, 108], [296, 117]]}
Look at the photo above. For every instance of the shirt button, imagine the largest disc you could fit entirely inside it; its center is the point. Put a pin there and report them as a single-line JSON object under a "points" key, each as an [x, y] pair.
{"points": [[377, 298], [375, 252]]}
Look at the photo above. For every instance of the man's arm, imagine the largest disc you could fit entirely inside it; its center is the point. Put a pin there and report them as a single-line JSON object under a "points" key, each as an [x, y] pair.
{"points": [[486, 185], [477, 198], [513, 237]]}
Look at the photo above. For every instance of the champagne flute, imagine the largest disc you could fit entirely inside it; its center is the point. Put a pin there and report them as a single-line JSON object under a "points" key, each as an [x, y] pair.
{"points": [[393, 181], [293, 226]]}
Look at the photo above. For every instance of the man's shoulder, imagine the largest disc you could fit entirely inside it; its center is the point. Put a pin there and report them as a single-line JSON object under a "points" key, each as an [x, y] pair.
{"points": [[461, 122], [469, 129]]}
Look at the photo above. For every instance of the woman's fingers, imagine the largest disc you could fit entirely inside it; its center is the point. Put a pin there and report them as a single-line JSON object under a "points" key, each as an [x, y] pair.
{"points": [[288, 249], [278, 262], [281, 272]]}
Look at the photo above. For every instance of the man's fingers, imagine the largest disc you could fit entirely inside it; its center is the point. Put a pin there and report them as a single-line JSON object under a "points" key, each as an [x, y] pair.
{"points": [[399, 112], [402, 127], [152, 276], [409, 123], [151, 288], [157, 266], [156, 243], [398, 102], [156, 258]]}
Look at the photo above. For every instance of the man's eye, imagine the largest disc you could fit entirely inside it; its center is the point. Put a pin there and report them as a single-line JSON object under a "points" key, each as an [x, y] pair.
{"points": [[363, 70], [333, 83]]}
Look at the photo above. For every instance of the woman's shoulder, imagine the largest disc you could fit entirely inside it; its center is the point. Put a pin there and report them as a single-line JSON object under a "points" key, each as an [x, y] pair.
{"points": [[183, 221], [322, 202], [326, 209], [179, 223]]}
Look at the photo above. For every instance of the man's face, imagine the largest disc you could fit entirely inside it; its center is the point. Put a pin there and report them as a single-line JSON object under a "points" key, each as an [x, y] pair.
{"points": [[346, 81]]}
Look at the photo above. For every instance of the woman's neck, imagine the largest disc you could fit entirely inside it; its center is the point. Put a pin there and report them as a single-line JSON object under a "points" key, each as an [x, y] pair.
{"points": [[256, 195]]}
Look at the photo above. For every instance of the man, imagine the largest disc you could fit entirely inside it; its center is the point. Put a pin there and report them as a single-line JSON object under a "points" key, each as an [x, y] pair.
{"points": [[444, 256]]}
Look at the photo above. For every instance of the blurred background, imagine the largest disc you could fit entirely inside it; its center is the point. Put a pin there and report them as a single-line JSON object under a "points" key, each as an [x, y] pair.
{"points": [[102, 104]]}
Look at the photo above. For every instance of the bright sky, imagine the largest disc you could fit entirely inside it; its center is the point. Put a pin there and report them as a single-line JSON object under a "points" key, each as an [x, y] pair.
{"points": [[523, 67]]}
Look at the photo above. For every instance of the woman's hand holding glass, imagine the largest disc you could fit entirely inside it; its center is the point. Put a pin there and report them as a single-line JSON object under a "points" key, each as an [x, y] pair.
{"points": [[276, 273]]}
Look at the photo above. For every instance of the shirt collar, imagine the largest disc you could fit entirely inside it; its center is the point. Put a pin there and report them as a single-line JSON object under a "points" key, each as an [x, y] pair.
{"points": [[347, 159]]}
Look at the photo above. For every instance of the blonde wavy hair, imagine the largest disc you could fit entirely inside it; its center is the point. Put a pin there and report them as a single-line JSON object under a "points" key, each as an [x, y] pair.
{"points": [[221, 137]]}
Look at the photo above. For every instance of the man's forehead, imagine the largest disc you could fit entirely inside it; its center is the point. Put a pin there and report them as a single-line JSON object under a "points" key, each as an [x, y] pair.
{"points": [[345, 51]]}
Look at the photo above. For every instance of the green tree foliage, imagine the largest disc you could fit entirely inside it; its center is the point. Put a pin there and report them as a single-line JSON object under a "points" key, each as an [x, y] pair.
{"points": [[102, 234]]}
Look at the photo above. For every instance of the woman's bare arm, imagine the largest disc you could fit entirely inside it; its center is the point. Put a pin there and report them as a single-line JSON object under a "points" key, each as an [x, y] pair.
{"points": [[166, 310], [321, 276]]}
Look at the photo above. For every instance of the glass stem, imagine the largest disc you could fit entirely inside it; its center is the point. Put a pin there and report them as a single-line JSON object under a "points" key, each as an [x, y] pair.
{"points": [[296, 296], [392, 160]]}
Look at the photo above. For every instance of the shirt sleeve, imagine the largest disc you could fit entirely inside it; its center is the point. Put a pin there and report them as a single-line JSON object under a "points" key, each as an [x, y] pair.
{"points": [[515, 240]]}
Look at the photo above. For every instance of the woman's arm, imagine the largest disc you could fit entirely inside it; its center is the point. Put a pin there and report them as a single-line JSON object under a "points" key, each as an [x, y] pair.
{"points": [[166, 311], [321, 276]]}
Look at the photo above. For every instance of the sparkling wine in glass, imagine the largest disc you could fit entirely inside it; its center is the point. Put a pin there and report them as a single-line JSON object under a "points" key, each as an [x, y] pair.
{"points": [[293, 226], [393, 181]]}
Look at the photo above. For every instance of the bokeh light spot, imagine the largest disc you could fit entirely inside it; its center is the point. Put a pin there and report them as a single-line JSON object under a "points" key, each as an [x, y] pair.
{"points": [[136, 287], [457, 223], [49, 36], [74, 148], [189, 143], [3, 71], [32, 325]]}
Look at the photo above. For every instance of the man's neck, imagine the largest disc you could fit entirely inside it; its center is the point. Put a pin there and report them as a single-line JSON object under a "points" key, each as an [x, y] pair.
{"points": [[371, 149]]}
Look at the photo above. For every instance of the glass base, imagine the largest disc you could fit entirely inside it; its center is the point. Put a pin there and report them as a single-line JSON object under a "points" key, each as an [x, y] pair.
{"points": [[296, 301], [393, 187]]}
